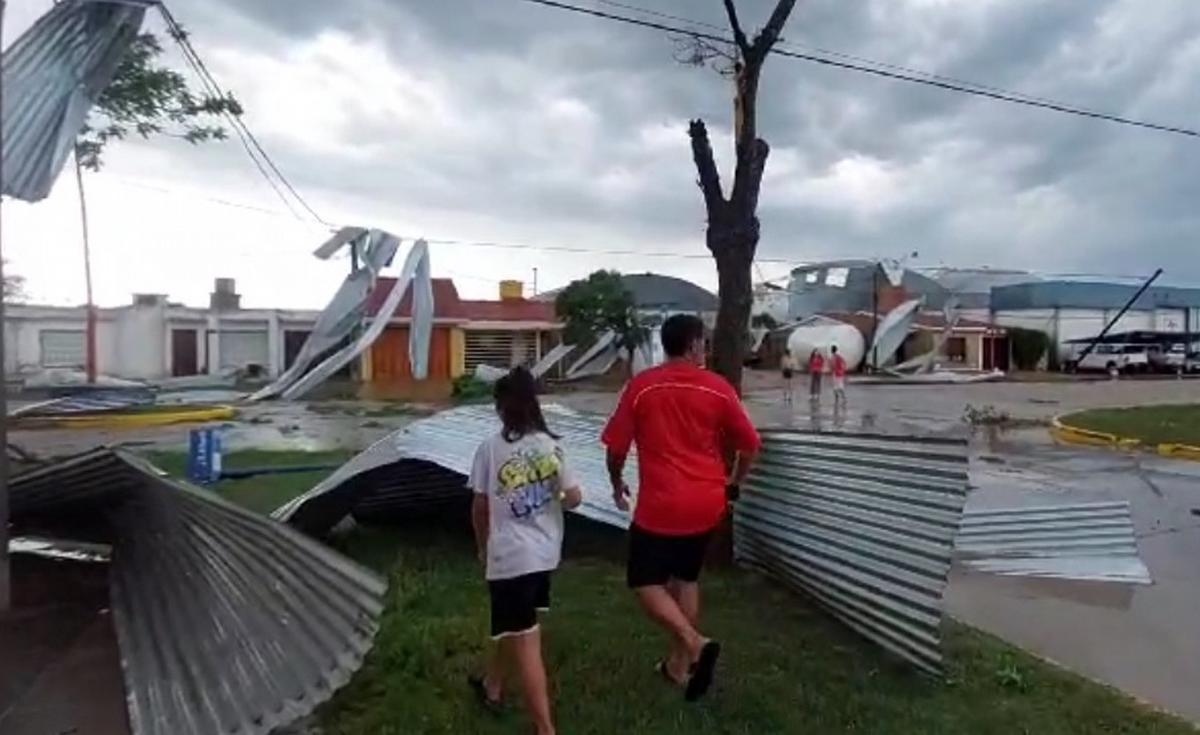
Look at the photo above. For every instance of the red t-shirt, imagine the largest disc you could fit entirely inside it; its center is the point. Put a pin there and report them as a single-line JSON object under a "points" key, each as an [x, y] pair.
{"points": [[816, 364], [839, 366], [683, 419]]}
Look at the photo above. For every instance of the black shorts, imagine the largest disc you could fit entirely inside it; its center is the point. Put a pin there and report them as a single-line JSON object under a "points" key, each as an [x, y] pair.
{"points": [[655, 559], [517, 601], [787, 374]]}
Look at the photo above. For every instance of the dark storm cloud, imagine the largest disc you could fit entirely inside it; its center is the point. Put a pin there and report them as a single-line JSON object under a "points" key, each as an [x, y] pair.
{"points": [[531, 114]]}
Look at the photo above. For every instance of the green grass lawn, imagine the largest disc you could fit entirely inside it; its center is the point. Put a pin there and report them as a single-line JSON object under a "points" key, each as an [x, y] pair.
{"points": [[1168, 424], [263, 493], [787, 667]]}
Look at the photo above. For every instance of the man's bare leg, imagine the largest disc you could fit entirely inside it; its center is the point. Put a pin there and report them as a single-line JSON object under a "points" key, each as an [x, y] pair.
{"points": [[687, 596], [527, 653], [663, 609]]}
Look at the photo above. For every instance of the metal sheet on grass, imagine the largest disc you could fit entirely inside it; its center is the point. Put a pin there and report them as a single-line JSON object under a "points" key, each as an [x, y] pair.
{"points": [[393, 474], [864, 524], [227, 622]]}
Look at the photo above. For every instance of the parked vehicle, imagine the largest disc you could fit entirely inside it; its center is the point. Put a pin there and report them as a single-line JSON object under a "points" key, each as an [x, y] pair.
{"points": [[1192, 363], [1125, 358], [1167, 359]]}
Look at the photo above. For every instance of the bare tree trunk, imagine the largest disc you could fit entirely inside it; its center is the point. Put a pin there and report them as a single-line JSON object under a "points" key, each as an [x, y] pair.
{"points": [[733, 228]]}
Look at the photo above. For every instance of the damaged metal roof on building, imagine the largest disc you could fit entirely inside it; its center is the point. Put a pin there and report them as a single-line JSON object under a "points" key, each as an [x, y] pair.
{"points": [[227, 622], [864, 524]]}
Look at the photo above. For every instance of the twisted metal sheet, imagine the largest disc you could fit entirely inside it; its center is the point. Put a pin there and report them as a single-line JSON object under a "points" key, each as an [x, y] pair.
{"points": [[227, 621]]}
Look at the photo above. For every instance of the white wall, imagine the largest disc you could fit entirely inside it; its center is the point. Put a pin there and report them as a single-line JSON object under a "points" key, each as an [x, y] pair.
{"points": [[1066, 324], [135, 342]]}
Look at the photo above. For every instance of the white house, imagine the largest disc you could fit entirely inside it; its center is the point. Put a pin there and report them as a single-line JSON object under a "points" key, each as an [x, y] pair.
{"points": [[153, 338]]}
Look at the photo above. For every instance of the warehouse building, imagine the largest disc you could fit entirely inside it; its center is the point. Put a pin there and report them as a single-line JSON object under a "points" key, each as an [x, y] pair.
{"points": [[1071, 310]]}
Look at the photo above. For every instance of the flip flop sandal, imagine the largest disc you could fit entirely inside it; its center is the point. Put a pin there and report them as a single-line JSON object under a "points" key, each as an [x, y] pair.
{"points": [[661, 668], [703, 671], [495, 706]]}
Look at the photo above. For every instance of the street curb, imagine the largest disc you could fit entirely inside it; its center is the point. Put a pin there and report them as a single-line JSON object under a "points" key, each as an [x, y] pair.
{"points": [[1076, 435], [117, 420]]}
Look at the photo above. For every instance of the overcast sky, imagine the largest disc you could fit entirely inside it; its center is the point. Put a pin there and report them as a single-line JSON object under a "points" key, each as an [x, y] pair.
{"points": [[498, 120]]}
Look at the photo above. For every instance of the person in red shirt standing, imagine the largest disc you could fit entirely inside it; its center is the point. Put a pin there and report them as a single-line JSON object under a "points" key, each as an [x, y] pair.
{"points": [[838, 369], [816, 366], [684, 420]]}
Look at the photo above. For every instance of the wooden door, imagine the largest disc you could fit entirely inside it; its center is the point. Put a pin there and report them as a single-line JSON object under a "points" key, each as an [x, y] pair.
{"points": [[389, 356], [184, 357]]}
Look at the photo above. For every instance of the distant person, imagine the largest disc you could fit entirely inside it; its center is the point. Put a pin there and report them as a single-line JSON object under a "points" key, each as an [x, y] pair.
{"points": [[788, 366], [816, 366], [522, 483], [685, 422], [838, 369]]}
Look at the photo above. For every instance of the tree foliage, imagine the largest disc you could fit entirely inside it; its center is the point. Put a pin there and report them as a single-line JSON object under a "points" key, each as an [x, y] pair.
{"points": [[598, 304], [148, 99], [14, 287], [1028, 347]]}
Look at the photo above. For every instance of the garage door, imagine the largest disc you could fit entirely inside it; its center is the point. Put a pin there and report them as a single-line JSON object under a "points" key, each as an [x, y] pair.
{"points": [[239, 349], [62, 348]]}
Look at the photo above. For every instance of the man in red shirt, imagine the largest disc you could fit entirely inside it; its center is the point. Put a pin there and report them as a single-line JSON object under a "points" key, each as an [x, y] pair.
{"points": [[684, 420]]}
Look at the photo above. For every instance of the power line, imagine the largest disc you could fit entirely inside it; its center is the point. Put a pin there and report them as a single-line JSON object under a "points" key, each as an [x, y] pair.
{"points": [[945, 83], [244, 133]]}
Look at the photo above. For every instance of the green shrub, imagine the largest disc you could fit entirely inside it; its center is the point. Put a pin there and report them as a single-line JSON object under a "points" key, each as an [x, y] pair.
{"points": [[469, 390], [1028, 347]]}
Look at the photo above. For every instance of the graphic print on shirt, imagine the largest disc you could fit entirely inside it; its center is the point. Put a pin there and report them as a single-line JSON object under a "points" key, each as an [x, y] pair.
{"points": [[527, 481]]}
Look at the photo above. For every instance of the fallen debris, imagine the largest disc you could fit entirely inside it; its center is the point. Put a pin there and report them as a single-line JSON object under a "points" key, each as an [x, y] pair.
{"points": [[258, 624]]}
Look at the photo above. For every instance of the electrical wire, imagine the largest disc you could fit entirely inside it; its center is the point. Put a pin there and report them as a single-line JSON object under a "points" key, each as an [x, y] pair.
{"points": [[249, 141], [944, 83]]}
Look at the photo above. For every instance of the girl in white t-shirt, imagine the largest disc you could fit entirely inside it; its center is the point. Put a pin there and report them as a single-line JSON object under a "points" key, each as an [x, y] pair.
{"points": [[522, 484]]}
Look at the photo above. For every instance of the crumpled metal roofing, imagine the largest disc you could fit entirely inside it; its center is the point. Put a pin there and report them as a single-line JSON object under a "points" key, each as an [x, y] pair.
{"points": [[95, 401], [53, 74], [1082, 541], [864, 524], [395, 475], [227, 621]]}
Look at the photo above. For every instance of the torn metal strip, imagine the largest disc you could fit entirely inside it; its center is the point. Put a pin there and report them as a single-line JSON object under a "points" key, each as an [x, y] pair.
{"points": [[551, 358], [1081, 541], [345, 310], [53, 74], [864, 524], [227, 622]]}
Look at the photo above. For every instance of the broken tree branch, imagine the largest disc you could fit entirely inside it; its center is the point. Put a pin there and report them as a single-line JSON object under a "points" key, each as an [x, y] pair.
{"points": [[739, 36], [706, 168], [767, 37]]}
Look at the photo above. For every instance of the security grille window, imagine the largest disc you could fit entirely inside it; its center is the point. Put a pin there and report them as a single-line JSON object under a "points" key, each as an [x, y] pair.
{"points": [[62, 348], [499, 349]]}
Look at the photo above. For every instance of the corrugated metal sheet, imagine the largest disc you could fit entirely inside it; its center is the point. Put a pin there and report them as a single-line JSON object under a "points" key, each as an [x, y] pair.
{"points": [[88, 402], [227, 621], [52, 75], [864, 524], [393, 475], [1084, 541]]}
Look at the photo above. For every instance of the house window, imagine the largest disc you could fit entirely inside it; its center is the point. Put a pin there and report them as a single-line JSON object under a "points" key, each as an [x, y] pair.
{"points": [[62, 348], [956, 349], [499, 349]]}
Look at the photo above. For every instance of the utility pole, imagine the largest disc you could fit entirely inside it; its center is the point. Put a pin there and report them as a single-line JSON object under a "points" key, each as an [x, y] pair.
{"points": [[5, 579], [535, 283], [90, 359], [1132, 299]]}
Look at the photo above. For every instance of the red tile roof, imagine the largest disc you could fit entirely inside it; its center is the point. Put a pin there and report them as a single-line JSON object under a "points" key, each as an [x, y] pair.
{"points": [[448, 306]]}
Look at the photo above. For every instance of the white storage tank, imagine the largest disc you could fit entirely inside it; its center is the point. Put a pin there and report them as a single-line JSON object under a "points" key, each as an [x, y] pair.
{"points": [[821, 333]]}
